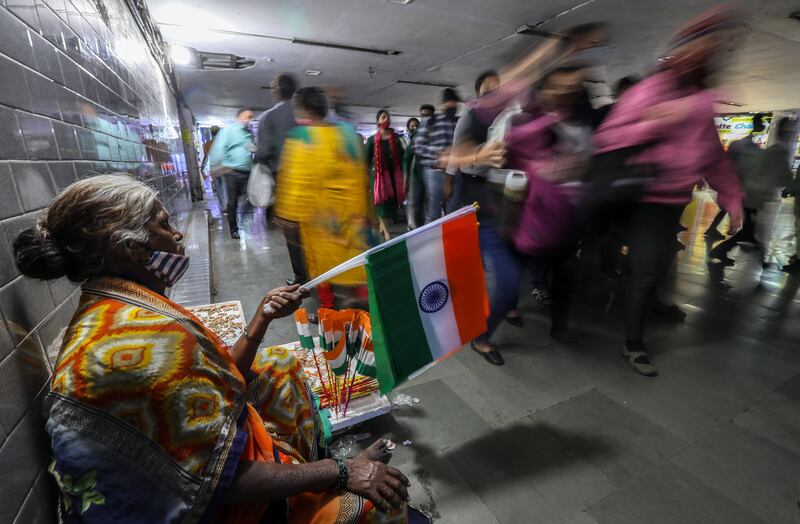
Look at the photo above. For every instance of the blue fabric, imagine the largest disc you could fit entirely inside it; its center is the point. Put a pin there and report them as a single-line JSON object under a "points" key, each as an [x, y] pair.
{"points": [[222, 193], [233, 148], [132, 495], [504, 269]]}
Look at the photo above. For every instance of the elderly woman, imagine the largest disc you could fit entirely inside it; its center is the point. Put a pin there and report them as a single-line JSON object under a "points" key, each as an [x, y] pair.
{"points": [[151, 417]]}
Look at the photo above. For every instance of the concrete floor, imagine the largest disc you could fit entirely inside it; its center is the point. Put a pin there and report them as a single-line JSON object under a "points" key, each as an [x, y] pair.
{"points": [[568, 433]]}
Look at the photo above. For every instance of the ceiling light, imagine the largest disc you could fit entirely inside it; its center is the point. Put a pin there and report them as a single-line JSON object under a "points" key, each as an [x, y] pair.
{"points": [[424, 83], [345, 47], [400, 2], [313, 72], [181, 56]]}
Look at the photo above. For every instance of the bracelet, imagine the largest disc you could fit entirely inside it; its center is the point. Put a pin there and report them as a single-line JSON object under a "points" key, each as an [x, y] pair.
{"points": [[344, 475], [251, 338]]}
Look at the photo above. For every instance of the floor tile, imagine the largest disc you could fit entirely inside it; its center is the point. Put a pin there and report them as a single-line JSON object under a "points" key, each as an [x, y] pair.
{"points": [[438, 490], [668, 495], [633, 443], [525, 473], [777, 417], [761, 476]]}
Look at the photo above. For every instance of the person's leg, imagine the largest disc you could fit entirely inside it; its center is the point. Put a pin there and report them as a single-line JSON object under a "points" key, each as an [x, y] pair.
{"points": [[222, 193], [411, 203], [326, 296], [434, 188], [454, 202], [651, 234], [712, 228], [503, 271], [562, 269], [419, 199], [291, 233], [383, 225], [232, 190]]}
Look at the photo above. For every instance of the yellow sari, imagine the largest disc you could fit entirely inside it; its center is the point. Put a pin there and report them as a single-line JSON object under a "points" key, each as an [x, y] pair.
{"points": [[323, 186]]}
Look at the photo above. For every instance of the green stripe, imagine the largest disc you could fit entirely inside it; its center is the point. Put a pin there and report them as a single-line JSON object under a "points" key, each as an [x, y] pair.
{"points": [[400, 344]]}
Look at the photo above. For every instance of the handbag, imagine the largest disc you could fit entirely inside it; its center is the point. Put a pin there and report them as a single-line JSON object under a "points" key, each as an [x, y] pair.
{"points": [[261, 186]]}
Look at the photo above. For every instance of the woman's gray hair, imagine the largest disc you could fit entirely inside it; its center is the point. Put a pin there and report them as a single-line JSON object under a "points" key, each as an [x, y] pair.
{"points": [[81, 225]]}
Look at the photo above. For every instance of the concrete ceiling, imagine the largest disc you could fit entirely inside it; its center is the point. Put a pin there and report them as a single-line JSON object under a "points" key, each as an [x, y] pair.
{"points": [[450, 42]]}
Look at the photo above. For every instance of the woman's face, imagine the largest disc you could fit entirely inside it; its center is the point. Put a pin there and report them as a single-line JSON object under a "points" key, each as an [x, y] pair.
{"points": [[412, 126], [384, 117], [163, 237]]}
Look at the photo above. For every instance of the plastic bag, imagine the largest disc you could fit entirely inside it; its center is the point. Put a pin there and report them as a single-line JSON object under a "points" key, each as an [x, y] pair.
{"points": [[260, 187], [401, 399]]}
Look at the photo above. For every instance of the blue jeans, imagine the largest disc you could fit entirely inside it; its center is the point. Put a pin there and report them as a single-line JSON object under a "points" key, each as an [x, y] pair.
{"points": [[222, 192], [504, 269], [415, 207], [434, 194]]}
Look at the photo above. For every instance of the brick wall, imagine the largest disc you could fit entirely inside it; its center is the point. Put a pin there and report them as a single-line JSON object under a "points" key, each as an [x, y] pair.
{"points": [[80, 94]]}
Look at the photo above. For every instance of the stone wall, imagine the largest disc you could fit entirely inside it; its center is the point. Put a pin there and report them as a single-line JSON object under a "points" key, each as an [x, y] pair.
{"points": [[80, 94]]}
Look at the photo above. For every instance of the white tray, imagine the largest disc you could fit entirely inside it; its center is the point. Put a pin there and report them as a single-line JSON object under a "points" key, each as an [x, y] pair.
{"points": [[360, 410], [231, 339]]}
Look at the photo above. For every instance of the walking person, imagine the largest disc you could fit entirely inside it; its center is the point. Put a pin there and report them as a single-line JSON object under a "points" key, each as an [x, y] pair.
{"points": [[746, 155], [432, 146], [217, 181], [232, 155], [668, 118], [762, 181], [793, 190], [385, 161], [414, 186], [273, 126], [324, 190]]}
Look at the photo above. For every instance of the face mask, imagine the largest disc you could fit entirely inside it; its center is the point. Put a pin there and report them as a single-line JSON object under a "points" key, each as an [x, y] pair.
{"points": [[450, 112], [168, 267], [383, 125]]}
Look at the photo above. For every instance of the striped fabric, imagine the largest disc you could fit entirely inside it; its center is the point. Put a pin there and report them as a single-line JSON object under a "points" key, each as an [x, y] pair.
{"points": [[434, 136]]}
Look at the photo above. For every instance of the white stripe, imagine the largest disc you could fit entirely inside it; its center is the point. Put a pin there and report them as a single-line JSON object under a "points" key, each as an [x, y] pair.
{"points": [[426, 258]]}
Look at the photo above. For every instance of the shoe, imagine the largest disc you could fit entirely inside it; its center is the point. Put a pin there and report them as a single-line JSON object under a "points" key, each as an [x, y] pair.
{"points": [[640, 362], [516, 321], [235, 235], [492, 357], [313, 318], [724, 260], [669, 312], [542, 296]]}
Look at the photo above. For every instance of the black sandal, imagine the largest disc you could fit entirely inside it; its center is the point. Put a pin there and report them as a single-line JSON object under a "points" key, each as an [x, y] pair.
{"points": [[492, 357]]}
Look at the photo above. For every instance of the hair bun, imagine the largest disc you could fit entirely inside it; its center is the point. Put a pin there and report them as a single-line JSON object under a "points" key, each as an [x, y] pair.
{"points": [[38, 255]]}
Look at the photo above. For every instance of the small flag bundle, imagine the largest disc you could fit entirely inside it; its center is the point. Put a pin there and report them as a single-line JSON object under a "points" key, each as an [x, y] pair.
{"points": [[345, 338]]}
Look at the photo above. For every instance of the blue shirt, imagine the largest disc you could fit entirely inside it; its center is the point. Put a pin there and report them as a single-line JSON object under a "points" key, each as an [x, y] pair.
{"points": [[233, 148]]}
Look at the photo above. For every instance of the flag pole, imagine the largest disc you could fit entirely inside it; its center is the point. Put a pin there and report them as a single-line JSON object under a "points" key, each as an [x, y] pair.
{"points": [[361, 259]]}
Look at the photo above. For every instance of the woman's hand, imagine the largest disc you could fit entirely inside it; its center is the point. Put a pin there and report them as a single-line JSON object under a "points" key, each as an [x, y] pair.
{"points": [[282, 301], [492, 154], [383, 485]]}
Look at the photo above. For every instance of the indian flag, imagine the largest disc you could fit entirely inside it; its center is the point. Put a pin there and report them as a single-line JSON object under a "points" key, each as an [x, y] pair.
{"points": [[304, 329], [334, 340], [427, 296]]}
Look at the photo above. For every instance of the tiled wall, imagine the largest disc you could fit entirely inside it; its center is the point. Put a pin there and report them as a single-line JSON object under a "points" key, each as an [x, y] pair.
{"points": [[80, 94]]}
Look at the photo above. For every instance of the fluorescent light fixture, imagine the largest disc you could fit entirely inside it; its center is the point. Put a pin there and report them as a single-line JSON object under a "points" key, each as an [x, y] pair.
{"points": [[313, 72], [428, 84], [181, 56], [730, 103], [400, 2], [345, 47]]}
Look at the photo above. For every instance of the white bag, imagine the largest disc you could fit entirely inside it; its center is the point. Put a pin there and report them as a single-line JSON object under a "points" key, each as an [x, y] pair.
{"points": [[261, 186]]}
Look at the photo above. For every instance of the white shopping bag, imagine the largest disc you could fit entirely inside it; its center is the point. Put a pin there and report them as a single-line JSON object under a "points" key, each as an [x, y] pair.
{"points": [[261, 186]]}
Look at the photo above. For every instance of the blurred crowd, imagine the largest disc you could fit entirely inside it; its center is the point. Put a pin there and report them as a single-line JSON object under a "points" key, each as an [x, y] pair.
{"points": [[554, 175]]}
